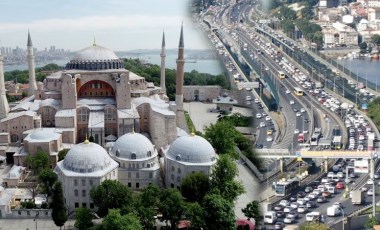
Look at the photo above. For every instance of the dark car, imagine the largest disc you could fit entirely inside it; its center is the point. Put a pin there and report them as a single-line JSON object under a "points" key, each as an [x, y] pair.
{"points": [[308, 189], [259, 146], [280, 214], [301, 194], [293, 198], [279, 225]]}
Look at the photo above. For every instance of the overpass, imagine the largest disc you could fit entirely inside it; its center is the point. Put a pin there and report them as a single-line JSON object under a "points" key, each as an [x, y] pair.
{"points": [[280, 154]]}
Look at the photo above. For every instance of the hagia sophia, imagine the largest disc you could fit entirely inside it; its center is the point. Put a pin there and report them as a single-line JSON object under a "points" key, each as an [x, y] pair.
{"points": [[137, 135]]}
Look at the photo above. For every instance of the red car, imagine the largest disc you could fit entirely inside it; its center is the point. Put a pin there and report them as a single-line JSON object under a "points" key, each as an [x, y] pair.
{"points": [[339, 185]]}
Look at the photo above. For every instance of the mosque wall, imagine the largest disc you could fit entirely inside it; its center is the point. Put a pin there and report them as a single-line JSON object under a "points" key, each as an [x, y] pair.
{"points": [[201, 92]]}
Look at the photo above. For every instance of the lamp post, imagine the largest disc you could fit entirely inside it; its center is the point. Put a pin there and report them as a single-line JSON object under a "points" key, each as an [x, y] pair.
{"points": [[340, 208], [373, 156]]}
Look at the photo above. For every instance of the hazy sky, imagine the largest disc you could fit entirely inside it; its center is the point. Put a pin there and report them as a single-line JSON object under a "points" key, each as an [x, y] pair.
{"points": [[117, 24]]}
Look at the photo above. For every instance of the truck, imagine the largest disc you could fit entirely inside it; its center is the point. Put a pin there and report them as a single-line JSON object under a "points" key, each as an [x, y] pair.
{"points": [[357, 197], [318, 85], [371, 141], [333, 211]]}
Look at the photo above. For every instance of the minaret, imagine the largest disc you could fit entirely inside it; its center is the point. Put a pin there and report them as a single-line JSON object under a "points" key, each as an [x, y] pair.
{"points": [[180, 73], [4, 106], [163, 56], [32, 73]]}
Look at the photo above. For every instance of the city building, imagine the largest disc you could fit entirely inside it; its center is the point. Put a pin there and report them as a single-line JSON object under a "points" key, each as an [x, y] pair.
{"points": [[340, 34], [225, 103], [86, 165]]}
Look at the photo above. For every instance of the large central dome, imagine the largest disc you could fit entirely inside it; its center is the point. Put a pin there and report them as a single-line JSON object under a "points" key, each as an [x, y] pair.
{"points": [[95, 58]]}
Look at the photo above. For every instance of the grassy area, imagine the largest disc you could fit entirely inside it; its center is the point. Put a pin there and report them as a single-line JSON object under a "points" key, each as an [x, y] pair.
{"points": [[189, 123], [369, 211]]}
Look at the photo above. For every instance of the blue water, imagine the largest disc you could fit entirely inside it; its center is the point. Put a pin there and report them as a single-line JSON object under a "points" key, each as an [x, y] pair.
{"points": [[366, 68]]}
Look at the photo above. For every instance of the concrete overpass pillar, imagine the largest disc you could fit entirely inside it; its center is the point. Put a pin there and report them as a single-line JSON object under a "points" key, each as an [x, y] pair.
{"points": [[326, 164], [281, 163]]}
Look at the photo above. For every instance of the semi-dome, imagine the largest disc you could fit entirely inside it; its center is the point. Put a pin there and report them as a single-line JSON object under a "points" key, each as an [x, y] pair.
{"points": [[132, 146], [87, 157], [192, 149], [42, 134], [95, 58]]}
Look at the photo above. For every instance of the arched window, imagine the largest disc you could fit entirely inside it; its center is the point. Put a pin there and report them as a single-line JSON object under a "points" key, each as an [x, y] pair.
{"points": [[110, 114], [149, 154], [179, 170], [118, 152], [178, 157], [83, 193], [14, 138], [83, 115], [133, 156], [75, 192]]}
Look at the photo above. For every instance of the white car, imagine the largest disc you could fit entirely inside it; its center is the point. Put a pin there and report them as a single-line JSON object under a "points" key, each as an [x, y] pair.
{"points": [[256, 100], [370, 181], [291, 102], [302, 110], [364, 189], [289, 219], [302, 209], [301, 201], [288, 209], [287, 91], [284, 203], [269, 138], [370, 192], [294, 205], [298, 114], [296, 131], [340, 174], [258, 115], [267, 118], [262, 124]]}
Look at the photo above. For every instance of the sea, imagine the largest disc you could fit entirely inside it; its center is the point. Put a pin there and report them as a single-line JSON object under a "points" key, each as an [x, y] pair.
{"points": [[211, 66], [366, 68]]}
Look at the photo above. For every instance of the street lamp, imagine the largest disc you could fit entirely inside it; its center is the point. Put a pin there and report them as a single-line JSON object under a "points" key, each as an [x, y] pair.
{"points": [[340, 208]]}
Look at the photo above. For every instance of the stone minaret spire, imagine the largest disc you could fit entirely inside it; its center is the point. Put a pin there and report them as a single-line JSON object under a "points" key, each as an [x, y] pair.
{"points": [[4, 106], [31, 67], [163, 56], [180, 73]]}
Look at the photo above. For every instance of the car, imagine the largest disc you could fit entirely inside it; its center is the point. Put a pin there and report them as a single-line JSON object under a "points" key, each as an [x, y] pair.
{"points": [[301, 201], [370, 192], [308, 189], [280, 214], [257, 100], [278, 207], [302, 209], [364, 189], [295, 109], [284, 203], [307, 198], [311, 204], [279, 225], [258, 115], [298, 114], [301, 194], [353, 175], [289, 220], [288, 209], [248, 102], [293, 214], [267, 118], [264, 114], [294, 205], [291, 102], [262, 124], [296, 131], [340, 174], [259, 146], [317, 192], [377, 175], [326, 194], [321, 199], [287, 91], [269, 138], [302, 110], [339, 185], [269, 132], [337, 205], [370, 181], [312, 196]]}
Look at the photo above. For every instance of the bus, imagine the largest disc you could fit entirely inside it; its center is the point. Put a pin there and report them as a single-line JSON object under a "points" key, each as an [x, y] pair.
{"points": [[281, 75], [285, 188], [298, 91], [315, 136], [336, 143]]}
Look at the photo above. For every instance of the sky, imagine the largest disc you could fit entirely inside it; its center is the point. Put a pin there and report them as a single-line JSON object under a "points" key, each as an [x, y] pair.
{"points": [[119, 25]]}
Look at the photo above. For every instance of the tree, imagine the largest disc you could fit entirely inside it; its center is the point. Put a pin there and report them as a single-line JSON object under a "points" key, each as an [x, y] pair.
{"points": [[47, 177], [221, 136], [83, 218], [39, 161], [62, 154], [195, 186], [195, 213], [375, 39], [59, 211], [110, 194], [219, 213], [252, 210], [363, 46], [171, 206], [223, 178], [313, 226], [115, 221], [372, 221], [145, 205]]}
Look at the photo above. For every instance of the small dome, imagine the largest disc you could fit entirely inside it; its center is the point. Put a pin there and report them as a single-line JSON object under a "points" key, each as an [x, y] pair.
{"points": [[132, 146], [192, 149], [87, 157], [94, 53], [42, 134]]}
